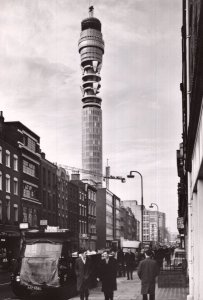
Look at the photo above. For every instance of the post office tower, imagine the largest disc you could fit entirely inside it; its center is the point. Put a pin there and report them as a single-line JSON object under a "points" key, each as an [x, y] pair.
{"points": [[91, 49]]}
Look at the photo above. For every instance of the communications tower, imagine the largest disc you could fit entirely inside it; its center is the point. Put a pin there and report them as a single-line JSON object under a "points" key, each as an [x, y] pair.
{"points": [[91, 49]]}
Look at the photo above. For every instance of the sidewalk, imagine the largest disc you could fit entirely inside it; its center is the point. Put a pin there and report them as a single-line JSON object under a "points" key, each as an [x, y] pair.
{"points": [[130, 290]]}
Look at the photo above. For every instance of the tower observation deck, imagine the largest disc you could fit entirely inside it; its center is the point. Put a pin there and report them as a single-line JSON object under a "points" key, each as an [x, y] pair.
{"points": [[91, 49]]}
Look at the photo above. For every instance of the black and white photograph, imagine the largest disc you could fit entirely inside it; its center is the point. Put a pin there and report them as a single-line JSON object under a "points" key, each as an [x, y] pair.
{"points": [[101, 149]]}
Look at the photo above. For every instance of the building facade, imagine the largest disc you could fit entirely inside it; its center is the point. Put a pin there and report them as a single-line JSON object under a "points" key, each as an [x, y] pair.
{"points": [[10, 198], [48, 191], [91, 49], [128, 224], [82, 211], [190, 154], [154, 227], [62, 197], [19, 181], [28, 145], [108, 219], [91, 203], [137, 211], [73, 214]]}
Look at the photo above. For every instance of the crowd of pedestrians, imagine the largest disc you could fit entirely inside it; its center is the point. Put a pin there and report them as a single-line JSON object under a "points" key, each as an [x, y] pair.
{"points": [[113, 264]]}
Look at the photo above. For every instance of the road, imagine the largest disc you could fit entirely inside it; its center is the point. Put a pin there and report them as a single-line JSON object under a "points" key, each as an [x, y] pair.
{"points": [[7, 294], [127, 290]]}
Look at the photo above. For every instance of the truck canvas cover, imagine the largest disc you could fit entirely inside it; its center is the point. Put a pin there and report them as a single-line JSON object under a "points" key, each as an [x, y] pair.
{"points": [[40, 264]]}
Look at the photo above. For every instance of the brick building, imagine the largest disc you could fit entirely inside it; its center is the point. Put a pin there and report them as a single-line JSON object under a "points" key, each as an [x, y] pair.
{"points": [[48, 191]]}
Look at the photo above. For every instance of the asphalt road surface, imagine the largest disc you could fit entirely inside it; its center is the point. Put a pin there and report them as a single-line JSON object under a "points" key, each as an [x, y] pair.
{"points": [[7, 294]]}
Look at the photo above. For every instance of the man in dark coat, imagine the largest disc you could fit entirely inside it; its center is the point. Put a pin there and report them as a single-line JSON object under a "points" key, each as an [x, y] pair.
{"points": [[147, 271], [120, 261], [83, 270], [107, 274], [130, 263]]}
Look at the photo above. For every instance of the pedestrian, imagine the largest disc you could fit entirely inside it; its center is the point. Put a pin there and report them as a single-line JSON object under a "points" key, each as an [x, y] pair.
{"points": [[107, 274], [159, 256], [83, 270], [130, 263], [120, 263], [147, 271]]}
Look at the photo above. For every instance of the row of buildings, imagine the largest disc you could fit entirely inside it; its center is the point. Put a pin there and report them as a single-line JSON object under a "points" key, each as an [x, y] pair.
{"points": [[190, 152], [35, 191]]}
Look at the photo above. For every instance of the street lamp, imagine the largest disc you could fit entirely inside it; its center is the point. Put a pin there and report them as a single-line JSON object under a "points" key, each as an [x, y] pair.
{"points": [[151, 206], [132, 176]]}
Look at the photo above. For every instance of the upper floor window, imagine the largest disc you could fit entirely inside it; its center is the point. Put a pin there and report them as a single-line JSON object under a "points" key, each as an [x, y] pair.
{"points": [[30, 143], [8, 184], [8, 209], [30, 191], [29, 168], [8, 159], [0, 155], [15, 186], [25, 214], [15, 162], [15, 207]]}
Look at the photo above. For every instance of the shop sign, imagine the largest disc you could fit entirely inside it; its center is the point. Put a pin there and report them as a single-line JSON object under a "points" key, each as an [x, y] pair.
{"points": [[43, 222], [23, 225]]}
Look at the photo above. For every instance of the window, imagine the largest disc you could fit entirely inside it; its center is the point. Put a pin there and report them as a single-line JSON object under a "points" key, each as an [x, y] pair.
{"points": [[15, 207], [8, 209], [0, 180], [0, 210], [25, 214], [44, 175], [30, 143], [30, 191], [29, 168], [15, 162], [30, 216], [8, 183], [49, 178], [8, 159], [0, 155], [15, 186]]}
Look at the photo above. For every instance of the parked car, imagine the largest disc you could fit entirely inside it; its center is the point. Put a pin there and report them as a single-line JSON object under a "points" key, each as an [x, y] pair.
{"points": [[179, 258]]}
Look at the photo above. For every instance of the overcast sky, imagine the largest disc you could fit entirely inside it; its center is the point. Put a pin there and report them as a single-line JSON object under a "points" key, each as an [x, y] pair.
{"points": [[40, 79]]}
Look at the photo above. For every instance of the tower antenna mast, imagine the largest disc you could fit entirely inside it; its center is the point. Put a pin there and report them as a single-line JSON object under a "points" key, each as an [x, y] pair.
{"points": [[91, 11]]}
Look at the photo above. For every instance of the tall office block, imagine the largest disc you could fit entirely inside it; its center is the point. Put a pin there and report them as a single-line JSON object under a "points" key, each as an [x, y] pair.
{"points": [[91, 49]]}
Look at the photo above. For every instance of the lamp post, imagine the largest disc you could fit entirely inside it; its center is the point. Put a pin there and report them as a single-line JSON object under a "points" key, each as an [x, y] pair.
{"points": [[151, 206], [132, 176]]}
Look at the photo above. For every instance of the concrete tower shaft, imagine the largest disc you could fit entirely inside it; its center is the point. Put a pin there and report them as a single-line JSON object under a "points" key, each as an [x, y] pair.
{"points": [[91, 49]]}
